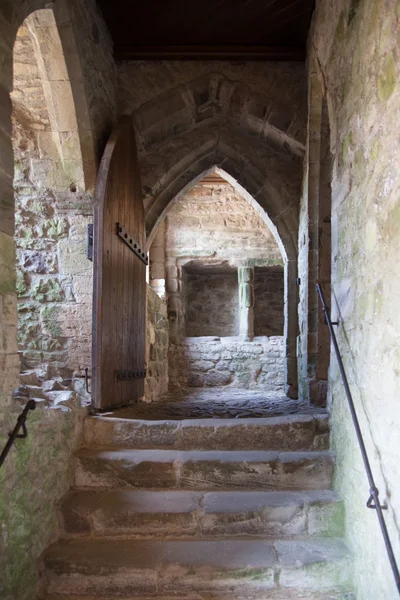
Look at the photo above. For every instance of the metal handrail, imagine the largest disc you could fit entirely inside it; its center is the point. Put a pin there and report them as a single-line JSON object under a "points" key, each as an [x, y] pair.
{"points": [[21, 422], [373, 501]]}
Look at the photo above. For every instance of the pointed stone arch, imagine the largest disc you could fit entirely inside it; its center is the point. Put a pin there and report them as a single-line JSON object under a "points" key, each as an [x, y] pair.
{"points": [[258, 198], [61, 128]]}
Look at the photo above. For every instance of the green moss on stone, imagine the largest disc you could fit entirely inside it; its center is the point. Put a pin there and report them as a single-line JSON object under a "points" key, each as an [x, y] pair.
{"points": [[346, 146], [359, 165], [7, 264], [341, 28], [354, 6], [48, 290], [21, 284], [49, 316], [387, 79], [375, 149]]}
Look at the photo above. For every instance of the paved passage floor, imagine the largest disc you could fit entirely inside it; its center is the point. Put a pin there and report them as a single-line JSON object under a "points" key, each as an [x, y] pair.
{"points": [[219, 403]]}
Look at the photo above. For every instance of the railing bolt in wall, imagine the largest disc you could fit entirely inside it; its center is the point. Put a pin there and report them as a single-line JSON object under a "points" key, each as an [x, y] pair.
{"points": [[373, 501], [86, 377], [21, 423]]}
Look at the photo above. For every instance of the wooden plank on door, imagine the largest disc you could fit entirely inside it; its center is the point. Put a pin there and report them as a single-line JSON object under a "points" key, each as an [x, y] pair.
{"points": [[119, 276]]}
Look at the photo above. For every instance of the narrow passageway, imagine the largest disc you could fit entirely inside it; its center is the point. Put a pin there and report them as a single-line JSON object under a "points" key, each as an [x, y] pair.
{"points": [[172, 197]]}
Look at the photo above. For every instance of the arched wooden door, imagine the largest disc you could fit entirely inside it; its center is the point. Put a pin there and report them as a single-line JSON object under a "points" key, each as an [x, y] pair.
{"points": [[119, 277]]}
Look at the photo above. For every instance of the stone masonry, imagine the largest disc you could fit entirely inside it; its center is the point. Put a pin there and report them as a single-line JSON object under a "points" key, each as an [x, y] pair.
{"points": [[54, 60], [213, 362], [313, 149], [156, 382], [203, 508], [212, 236]]}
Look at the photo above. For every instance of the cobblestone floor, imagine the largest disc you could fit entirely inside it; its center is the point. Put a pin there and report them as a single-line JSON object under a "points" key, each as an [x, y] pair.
{"points": [[217, 403]]}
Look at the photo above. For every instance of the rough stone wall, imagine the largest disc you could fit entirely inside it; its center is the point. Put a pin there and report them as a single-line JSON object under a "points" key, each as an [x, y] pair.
{"points": [[356, 46], [211, 304], [268, 301], [214, 221], [156, 383], [213, 361], [213, 226], [54, 278], [36, 473], [212, 229]]}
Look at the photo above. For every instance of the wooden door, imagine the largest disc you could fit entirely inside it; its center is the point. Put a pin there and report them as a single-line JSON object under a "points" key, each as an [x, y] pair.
{"points": [[119, 278]]}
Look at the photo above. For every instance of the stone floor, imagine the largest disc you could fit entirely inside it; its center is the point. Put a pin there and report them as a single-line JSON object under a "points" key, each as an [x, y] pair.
{"points": [[217, 403]]}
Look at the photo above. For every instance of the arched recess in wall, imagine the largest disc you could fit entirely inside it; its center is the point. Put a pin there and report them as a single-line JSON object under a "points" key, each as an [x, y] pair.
{"points": [[53, 180], [289, 258], [46, 60]]}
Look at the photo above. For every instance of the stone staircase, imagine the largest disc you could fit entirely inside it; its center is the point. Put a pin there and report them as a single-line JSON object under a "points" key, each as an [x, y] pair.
{"points": [[201, 509]]}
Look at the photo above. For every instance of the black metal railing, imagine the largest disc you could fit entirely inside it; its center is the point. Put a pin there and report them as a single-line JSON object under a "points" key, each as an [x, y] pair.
{"points": [[21, 422], [373, 500]]}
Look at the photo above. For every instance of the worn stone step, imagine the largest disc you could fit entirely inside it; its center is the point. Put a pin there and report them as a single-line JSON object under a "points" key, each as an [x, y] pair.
{"points": [[204, 470], [140, 568], [275, 594], [142, 513], [299, 432]]}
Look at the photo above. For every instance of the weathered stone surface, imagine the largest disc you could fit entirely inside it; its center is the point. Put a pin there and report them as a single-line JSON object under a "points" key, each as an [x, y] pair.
{"points": [[294, 432], [205, 470], [126, 568], [181, 513], [258, 364], [38, 469], [156, 382], [359, 101]]}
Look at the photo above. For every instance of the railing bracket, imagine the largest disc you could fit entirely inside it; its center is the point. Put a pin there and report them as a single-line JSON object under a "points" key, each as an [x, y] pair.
{"points": [[373, 500], [30, 405]]}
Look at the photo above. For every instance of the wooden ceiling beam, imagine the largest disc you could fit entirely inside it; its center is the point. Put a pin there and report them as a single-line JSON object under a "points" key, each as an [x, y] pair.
{"points": [[276, 53]]}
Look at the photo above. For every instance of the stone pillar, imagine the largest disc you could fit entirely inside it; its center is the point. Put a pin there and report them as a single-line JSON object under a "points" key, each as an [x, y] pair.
{"points": [[157, 262], [175, 309], [246, 302]]}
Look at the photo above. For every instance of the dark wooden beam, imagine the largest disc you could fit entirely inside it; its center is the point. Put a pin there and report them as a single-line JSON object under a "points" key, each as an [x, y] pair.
{"points": [[130, 52]]}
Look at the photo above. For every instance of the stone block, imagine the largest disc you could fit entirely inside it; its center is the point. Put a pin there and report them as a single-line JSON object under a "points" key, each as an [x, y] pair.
{"points": [[201, 365], [218, 378], [73, 259]]}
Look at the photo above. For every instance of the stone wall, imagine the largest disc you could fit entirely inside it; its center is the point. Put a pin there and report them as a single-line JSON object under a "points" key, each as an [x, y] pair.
{"points": [[37, 473], [212, 233], [355, 54], [50, 226], [211, 304], [156, 383], [268, 301], [213, 228], [52, 210], [213, 361]]}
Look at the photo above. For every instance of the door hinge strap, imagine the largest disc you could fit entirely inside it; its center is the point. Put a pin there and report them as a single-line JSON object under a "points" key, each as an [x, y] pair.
{"points": [[126, 375], [133, 245]]}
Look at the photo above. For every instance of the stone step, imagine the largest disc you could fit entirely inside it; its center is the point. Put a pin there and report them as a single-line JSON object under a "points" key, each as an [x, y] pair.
{"points": [[204, 470], [299, 432], [149, 568], [276, 594], [138, 513]]}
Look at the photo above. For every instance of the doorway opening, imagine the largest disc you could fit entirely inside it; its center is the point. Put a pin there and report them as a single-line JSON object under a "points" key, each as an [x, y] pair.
{"points": [[217, 265]]}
